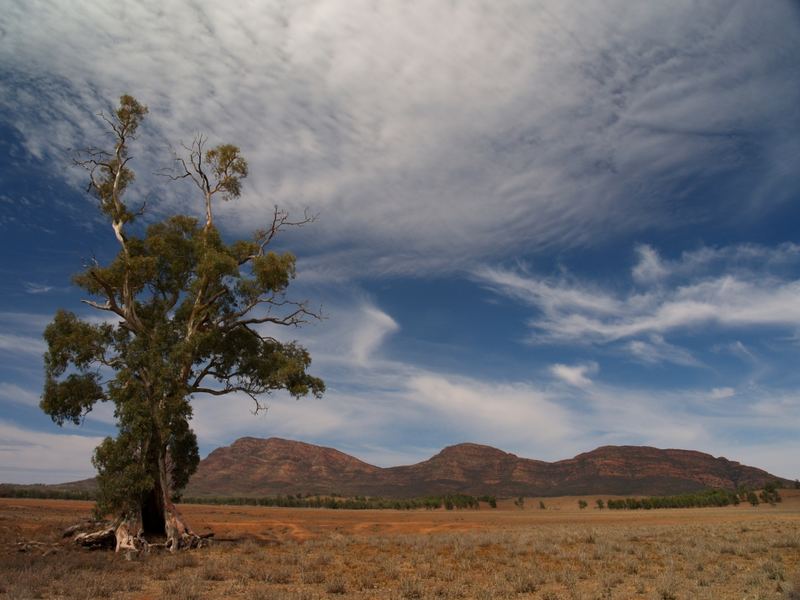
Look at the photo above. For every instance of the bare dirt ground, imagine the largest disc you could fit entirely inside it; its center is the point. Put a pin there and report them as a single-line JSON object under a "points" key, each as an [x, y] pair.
{"points": [[559, 552]]}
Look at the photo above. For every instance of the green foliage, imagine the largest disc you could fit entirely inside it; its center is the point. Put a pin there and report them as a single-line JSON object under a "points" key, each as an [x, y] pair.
{"points": [[770, 494], [190, 314], [229, 169], [334, 501], [695, 500], [582, 504], [600, 504], [42, 491], [490, 500]]}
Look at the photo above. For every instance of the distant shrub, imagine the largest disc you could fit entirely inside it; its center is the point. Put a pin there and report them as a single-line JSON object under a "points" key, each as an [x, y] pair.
{"points": [[770, 493], [696, 500], [491, 500], [600, 503], [582, 504]]}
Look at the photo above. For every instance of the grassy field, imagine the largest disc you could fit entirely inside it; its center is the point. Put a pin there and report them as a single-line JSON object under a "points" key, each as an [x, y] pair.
{"points": [[559, 552]]}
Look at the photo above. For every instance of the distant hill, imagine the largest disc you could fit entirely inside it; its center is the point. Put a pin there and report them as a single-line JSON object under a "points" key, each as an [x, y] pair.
{"points": [[266, 467]]}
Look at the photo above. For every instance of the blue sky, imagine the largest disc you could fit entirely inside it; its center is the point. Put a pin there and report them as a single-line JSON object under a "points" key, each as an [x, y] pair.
{"points": [[542, 226]]}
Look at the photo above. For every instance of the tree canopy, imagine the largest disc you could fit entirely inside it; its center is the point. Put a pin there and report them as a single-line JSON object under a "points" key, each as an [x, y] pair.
{"points": [[186, 313]]}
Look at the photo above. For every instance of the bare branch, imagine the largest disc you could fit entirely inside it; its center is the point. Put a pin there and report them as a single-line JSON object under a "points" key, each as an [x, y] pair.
{"points": [[280, 221], [98, 306], [259, 406]]}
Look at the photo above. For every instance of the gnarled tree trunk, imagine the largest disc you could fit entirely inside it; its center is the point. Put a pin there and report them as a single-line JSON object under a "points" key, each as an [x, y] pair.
{"points": [[177, 532], [156, 524]]}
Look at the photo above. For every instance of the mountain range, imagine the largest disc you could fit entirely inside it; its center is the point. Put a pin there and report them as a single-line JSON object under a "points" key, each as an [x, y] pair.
{"points": [[265, 467]]}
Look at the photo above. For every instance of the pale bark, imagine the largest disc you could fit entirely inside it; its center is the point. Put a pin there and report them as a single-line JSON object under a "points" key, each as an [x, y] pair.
{"points": [[98, 538], [130, 537]]}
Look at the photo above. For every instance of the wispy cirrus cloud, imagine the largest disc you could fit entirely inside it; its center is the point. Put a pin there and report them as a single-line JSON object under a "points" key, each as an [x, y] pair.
{"points": [[11, 392], [655, 350], [22, 344], [574, 123], [571, 310], [37, 288]]}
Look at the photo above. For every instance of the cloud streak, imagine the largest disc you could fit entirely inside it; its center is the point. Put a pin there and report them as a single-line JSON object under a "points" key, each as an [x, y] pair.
{"points": [[574, 311], [576, 375], [29, 456]]}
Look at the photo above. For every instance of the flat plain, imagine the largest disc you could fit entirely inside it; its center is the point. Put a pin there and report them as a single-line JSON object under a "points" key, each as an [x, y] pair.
{"points": [[556, 552]]}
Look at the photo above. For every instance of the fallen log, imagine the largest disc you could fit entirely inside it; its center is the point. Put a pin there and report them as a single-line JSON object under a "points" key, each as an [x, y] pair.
{"points": [[101, 538]]}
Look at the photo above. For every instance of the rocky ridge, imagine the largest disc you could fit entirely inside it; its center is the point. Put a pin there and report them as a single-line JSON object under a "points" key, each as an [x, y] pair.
{"points": [[265, 467]]}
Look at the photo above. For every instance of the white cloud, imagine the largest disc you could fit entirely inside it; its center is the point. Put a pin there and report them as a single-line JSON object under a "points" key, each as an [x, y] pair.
{"points": [[721, 393], [576, 375], [777, 458], [649, 268], [657, 351], [22, 344], [576, 311], [27, 321], [28, 456], [552, 296], [14, 393], [745, 258], [739, 349], [37, 288], [399, 122], [520, 417], [370, 333], [627, 415]]}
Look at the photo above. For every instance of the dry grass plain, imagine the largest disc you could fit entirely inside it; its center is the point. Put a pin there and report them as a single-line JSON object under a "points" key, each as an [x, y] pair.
{"points": [[560, 552]]}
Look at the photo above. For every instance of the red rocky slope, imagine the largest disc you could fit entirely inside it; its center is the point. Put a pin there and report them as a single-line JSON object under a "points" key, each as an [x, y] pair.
{"points": [[261, 467]]}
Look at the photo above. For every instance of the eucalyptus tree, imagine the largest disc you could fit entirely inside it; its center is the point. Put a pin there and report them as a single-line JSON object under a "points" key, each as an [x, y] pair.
{"points": [[186, 313]]}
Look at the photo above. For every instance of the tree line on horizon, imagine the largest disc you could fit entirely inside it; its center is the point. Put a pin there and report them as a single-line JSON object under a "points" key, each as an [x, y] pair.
{"points": [[708, 498], [333, 501]]}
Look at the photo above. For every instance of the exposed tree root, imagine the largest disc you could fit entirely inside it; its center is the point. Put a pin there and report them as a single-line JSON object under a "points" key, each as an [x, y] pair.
{"points": [[128, 536]]}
